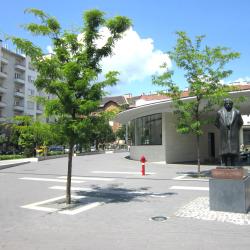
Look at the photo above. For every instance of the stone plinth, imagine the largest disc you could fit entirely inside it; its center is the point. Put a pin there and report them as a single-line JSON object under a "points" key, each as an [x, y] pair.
{"points": [[229, 194], [229, 173]]}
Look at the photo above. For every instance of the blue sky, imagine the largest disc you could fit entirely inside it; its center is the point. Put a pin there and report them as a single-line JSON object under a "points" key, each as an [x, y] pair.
{"points": [[224, 22]]}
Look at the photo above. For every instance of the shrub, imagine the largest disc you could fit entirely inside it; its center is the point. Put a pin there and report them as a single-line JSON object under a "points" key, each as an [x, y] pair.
{"points": [[10, 157]]}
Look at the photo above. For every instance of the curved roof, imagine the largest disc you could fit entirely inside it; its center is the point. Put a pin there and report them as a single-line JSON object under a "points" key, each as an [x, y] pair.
{"points": [[165, 106]]}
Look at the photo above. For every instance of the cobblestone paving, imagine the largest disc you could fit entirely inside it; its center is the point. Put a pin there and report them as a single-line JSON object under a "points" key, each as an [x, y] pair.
{"points": [[199, 209]]}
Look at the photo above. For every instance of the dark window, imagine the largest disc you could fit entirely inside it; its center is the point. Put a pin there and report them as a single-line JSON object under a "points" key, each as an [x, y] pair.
{"points": [[146, 130]]}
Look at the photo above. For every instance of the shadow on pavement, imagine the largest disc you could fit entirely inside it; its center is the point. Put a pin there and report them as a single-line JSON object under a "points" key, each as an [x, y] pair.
{"points": [[114, 194], [194, 174]]}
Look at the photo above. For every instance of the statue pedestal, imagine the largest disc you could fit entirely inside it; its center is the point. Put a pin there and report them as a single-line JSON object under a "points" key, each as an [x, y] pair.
{"points": [[229, 190], [229, 173]]}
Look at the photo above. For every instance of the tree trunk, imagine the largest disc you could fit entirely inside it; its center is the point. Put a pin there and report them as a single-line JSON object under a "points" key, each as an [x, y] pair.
{"points": [[198, 154], [68, 189]]}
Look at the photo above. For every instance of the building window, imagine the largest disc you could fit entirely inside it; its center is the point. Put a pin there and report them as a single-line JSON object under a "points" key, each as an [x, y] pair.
{"points": [[31, 79], [30, 105], [246, 137], [18, 75], [31, 92], [146, 130]]}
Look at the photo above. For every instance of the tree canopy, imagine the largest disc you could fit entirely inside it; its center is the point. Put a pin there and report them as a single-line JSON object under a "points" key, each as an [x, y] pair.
{"points": [[204, 70], [71, 73]]}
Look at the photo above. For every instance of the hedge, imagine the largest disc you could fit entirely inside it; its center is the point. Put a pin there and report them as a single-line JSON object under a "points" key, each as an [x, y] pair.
{"points": [[10, 157]]}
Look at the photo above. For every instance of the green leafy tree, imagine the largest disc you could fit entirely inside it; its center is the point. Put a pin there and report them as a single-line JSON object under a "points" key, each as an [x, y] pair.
{"points": [[102, 132], [32, 134], [71, 72], [8, 137], [121, 132], [204, 70]]}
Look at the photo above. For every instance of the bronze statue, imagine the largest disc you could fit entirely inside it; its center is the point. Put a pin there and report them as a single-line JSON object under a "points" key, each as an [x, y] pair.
{"points": [[229, 122]]}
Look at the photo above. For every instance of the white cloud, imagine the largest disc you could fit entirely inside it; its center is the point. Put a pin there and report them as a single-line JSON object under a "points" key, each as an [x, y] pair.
{"points": [[242, 80], [49, 49], [134, 57], [239, 81]]}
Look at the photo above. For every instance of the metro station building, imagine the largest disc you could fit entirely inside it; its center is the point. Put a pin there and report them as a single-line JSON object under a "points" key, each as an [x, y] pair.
{"points": [[152, 132]]}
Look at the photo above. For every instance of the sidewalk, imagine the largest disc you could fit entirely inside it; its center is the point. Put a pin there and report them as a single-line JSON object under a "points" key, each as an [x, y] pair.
{"points": [[11, 163]]}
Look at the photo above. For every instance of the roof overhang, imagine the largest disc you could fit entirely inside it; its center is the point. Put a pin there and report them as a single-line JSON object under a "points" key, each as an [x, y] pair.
{"points": [[166, 107]]}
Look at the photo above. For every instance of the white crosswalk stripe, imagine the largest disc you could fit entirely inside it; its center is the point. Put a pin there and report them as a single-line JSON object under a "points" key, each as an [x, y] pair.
{"points": [[184, 178], [48, 180], [88, 178], [189, 188], [72, 188], [116, 172]]}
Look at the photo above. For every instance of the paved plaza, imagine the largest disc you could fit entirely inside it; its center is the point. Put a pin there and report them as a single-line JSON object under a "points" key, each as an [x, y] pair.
{"points": [[113, 207]]}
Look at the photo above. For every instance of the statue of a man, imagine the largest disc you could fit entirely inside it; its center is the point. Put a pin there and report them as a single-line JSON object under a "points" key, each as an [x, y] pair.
{"points": [[229, 122]]}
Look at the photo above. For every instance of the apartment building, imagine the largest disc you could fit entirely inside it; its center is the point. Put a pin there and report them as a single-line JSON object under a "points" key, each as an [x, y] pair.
{"points": [[17, 90]]}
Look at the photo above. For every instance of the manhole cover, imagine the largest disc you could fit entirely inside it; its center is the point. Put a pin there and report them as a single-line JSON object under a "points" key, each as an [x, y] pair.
{"points": [[159, 218]]}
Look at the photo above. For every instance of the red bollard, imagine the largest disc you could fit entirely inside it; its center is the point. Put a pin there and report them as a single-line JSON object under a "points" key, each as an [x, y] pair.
{"points": [[143, 160]]}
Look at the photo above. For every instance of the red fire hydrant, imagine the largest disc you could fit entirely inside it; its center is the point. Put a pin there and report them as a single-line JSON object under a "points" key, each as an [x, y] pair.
{"points": [[143, 160]]}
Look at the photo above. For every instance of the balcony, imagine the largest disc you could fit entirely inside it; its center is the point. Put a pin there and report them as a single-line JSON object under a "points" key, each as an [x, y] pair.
{"points": [[4, 60], [20, 67], [19, 93], [3, 104], [20, 80], [3, 75], [18, 106], [3, 89], [2, 119]]}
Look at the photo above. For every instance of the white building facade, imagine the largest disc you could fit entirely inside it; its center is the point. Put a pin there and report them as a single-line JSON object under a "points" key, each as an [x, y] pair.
{"points": [[17, 90], [152, 129]]}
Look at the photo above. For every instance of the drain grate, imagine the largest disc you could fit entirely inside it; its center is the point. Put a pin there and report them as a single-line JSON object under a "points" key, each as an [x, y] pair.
{"points": [[159, 218]]}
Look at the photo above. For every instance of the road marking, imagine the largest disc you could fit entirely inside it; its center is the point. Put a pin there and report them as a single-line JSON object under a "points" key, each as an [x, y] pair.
{"points": [[88, 178], [36, 205], [111, 191], [190, 188], [79, 209], [180, 177], [72, 188], [183, 178], [82, 208], [113, 172], [47, 179]]}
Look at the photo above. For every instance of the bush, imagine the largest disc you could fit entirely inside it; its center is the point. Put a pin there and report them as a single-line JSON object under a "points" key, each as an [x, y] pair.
{"points": [[10, 157], [55, 153]]}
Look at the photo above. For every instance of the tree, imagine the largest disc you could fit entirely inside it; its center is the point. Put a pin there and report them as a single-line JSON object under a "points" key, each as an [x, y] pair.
{"points": [[102, 132], [8, 137], [71, 72], [121, 133], [32, 134], [204, 71]]}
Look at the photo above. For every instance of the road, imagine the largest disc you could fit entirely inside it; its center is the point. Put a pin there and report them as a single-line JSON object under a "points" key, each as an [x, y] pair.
{"points": [[113, 207]]}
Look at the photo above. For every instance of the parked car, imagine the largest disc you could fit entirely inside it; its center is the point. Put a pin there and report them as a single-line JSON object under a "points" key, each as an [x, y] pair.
{"points": [[56, 149]]}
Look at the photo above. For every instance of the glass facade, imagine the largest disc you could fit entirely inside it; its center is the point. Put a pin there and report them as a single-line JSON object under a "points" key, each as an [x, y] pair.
{"points": [[146, 130]]}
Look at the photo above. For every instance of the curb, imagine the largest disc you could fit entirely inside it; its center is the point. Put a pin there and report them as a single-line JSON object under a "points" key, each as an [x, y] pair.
{"points": [[13, 164]]}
